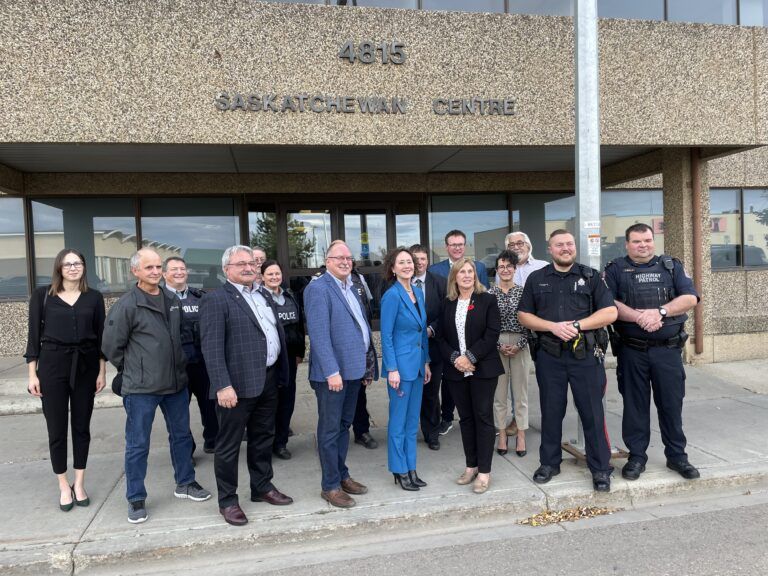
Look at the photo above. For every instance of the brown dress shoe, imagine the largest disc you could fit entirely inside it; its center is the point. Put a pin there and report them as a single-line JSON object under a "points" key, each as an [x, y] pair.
{"points": [[234, 515], [274, 497], [351, 486], [338, 498]]}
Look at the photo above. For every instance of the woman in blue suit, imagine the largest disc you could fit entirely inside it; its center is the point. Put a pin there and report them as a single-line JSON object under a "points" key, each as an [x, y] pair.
{"points": [[405, 360]]}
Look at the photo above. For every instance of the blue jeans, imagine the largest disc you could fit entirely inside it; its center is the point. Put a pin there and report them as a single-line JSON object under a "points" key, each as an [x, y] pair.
{"points": [[140, 413], [335, 412]]}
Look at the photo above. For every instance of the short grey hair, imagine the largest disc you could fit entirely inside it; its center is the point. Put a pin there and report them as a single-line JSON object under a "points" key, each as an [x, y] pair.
{"points": [[525, 239], [333, 245], [136, 257], [233, 250]]}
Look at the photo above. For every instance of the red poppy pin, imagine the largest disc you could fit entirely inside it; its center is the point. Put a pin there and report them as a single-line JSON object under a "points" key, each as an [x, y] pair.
{"points": [[471, 306]]}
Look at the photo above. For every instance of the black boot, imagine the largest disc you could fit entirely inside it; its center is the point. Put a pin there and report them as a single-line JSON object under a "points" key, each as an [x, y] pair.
{"points": [[405, 482], [415, 479]]}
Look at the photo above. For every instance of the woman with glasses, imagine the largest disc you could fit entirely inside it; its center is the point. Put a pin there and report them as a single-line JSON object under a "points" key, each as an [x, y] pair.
{"points": [[468, 335], [290, 316], [514, 354], [405, 360], [66, 368]]}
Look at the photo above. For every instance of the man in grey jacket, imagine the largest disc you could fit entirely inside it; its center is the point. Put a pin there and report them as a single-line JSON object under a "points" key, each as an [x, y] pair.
{"points": [[142, 338]]}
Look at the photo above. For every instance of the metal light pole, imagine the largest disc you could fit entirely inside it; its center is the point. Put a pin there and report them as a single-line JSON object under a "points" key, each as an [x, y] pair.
{"points": [[587, 139]]}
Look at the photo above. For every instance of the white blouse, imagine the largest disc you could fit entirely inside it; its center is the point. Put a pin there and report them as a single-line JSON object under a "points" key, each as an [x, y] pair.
{"points": [[462, 307]]}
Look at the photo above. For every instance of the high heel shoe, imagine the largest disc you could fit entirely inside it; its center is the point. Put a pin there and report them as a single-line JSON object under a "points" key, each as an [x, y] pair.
{"points": [[405, 482], [414, 477], [502, 451], [520, 453], [84, 502], [67, 507]]}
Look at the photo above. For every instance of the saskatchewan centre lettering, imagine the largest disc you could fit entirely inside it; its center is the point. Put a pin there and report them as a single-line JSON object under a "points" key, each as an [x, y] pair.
{"points": [[318, 103]]}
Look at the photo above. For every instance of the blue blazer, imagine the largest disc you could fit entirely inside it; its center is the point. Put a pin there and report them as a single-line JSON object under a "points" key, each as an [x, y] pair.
{"points": [[234, 346], [444, 268], [404, 342], [335, 339]]}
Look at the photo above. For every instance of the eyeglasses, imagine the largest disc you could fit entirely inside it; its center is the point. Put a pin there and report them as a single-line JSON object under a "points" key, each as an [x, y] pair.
{"points": [[72, 265], [341, 259], [250, 263], [518, 244], [505, 267], [456, 245], [259, 259]]}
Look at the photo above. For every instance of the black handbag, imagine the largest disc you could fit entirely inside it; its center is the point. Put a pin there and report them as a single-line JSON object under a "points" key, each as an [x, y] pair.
{"points": [[117, 382]]}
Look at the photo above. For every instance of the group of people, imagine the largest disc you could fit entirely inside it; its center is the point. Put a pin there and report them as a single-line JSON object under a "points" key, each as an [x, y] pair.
{"points": [[446, 341]]}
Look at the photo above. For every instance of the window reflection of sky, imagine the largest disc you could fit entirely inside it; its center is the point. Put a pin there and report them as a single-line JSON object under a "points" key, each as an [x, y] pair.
{"points": [[215, 232], [11, 216]]}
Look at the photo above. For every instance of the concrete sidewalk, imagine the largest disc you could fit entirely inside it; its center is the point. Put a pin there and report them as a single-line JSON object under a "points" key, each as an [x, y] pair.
{"points": [[725, 420]]}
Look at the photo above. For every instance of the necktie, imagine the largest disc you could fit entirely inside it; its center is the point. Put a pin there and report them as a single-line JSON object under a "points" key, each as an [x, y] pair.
{"points": [[419, 283]]}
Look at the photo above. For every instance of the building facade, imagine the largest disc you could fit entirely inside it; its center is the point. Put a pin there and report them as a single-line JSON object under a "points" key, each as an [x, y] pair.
{"points": [[190, 126]]}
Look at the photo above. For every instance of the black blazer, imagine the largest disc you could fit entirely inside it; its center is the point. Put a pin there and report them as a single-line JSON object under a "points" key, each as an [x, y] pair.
{"points": [[482, 333], [434, 292]]}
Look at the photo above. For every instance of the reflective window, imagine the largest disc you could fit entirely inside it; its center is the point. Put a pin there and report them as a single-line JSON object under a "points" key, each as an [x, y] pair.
{"points": [[262, 229], [621, 209], [13, 254], [753, 12], [310, 235], [706, 11], [464, 5], [725, 218], [197, 229], [755, 227], [104, 231], [365, 232], [407, 225], [543, 7], [559, 214], [631, 9], [484, 219]]}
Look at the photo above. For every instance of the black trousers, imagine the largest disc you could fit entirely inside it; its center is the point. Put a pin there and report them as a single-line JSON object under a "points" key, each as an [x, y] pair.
{"points": [[638, 372], [447, 405], [362, 421], [588, 381], [474, 400], [54, 369], [200, 387], [257, 416], [286, 401], [430, 403]]}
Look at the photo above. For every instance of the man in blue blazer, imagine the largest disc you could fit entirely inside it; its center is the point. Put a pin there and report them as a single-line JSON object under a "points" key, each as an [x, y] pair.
{"points": [[341, 356], [244, 348], [455, 245]]}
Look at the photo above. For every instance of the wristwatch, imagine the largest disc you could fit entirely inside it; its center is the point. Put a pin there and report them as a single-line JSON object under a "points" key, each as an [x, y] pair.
{"points": [[663, 311], [577, 326]]}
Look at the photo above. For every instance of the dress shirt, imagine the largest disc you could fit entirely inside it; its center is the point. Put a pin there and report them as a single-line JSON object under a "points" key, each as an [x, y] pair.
{"points": [[524, 270], [423, 279], [462, 307], [350, 293], [265, 317]]}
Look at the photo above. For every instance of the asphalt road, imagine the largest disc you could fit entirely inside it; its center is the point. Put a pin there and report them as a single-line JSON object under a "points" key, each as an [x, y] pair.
{"points": [[712, 537]]}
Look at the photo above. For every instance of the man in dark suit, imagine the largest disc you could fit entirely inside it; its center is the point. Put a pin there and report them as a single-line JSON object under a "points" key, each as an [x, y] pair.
{"points": [[433, 288], [341, 358], [455, 246], [244, 348]]}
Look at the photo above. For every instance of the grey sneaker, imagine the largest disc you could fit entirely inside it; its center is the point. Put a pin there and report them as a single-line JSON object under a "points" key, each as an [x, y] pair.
{"points": [[193, 491], [136, 512]]}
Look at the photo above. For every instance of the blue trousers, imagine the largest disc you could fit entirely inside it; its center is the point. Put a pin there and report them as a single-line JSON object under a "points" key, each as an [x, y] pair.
{"points": [[403, 425], [588, 381], [335, 412], [659, 369], [140, 413]]}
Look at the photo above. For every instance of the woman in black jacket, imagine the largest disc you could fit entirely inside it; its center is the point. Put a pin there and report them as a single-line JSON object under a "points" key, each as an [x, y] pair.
{"points": [[66, 368], [469, 332], [290, 316]]}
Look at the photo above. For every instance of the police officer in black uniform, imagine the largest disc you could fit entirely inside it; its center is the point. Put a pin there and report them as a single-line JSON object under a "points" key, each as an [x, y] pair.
{"points": [[653, 294], [568, 305], [175, 275]]}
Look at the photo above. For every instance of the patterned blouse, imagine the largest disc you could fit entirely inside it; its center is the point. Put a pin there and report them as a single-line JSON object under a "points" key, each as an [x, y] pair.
{"points": [[508, 304]]}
